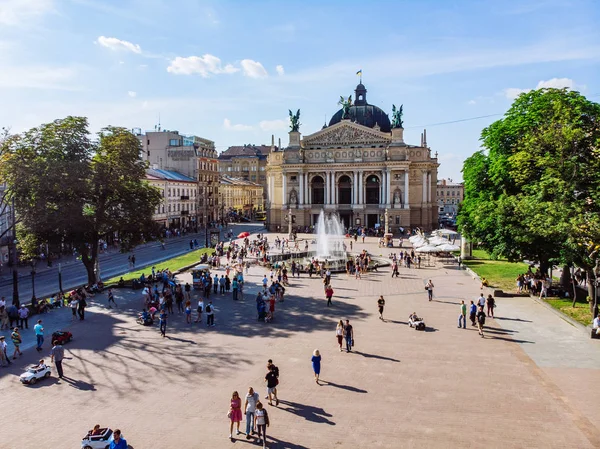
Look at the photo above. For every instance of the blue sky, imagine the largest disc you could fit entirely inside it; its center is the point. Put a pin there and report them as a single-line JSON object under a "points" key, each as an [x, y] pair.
{"points": [[230, 70]]}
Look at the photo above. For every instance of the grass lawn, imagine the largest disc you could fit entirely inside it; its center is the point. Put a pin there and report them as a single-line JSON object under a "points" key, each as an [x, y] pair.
{"points": [[581, 311], [500, 274], [172, 264]]}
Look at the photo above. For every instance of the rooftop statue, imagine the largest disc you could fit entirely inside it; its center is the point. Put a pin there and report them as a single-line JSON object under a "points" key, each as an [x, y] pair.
{"points": [[295, 121], [345, 106], [397, 117]]}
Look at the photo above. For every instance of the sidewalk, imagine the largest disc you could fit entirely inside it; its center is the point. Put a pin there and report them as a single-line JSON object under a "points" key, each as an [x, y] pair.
{"points": [[68, 259]]}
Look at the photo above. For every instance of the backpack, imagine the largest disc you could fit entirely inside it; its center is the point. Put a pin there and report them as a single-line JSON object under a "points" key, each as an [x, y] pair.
{"points": [[208, 308], [276, 371], [481, 319]]}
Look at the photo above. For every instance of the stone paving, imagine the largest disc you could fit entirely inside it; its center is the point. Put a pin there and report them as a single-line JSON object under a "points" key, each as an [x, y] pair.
{"points": [[529, 383]]}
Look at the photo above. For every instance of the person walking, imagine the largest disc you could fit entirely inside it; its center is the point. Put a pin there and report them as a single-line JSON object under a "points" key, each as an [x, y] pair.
{"points": [[429, 287], [73, 305], [111, 298], [4, 350], [39, 335], [188, 289], [472, 313], [210, 314], [163, 322], [380, 306], [23, 317], [188, 312], [57, 355], [235, 288], [349, 336], [480, 321], [252, 398], [16, 340], [491, 303], [81, 309], [261, 420], [339, 333], [235, 413], [271, 381], [328, 294], [199, 309], [481, 300], [462, 316], [316, 364]]}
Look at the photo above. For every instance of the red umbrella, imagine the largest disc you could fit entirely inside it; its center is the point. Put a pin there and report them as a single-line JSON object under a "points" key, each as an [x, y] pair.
{"points": [[243, 234]]}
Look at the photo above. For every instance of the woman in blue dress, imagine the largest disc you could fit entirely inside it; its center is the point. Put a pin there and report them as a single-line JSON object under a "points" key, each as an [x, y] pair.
{"points": [[316, 363]]}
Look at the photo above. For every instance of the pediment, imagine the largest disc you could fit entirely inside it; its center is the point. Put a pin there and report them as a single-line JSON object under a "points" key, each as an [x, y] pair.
{"points": [[346, 133]]}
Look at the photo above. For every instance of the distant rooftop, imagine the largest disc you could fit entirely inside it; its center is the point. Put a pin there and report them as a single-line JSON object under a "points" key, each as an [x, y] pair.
{"points": [[238, 182], [169, 175], [260, 151]]}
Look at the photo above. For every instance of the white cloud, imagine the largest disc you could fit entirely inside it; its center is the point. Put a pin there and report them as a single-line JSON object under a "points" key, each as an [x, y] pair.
{"points": [[18, 12], [132, 94], [253, 69], [273, 125], [117, 44], [204, 66], [472, 102], [280, 70], [558, 83], [229, 126]]}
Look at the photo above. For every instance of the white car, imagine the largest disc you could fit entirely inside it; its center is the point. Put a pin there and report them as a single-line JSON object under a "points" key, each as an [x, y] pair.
{"points": [[34, 373], [100, 441]]}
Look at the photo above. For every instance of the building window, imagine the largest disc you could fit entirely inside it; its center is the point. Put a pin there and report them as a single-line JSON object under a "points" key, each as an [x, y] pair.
{"points": [[293, 178], [174, 142], [397, 219]]}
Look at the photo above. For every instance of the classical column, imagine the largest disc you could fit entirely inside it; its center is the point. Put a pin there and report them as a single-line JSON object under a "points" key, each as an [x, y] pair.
{"points": [[429, 187], [326, 188], [269, 195], [389, 188], [301, 189], [332, 176], [284, 188], [306, 190], [406, 172], [354, 188], [361, 193], [424, 197]]}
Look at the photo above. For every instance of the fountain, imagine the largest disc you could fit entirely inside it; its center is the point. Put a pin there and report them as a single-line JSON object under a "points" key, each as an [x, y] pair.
{"points": [[330, 241]]}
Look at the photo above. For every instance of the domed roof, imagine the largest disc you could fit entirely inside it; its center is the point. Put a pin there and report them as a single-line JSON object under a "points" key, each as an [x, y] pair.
{"points": [[364, 113]]}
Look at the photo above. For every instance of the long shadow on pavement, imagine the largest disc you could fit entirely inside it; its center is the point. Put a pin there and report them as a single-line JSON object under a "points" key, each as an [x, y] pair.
{"points": [[283, 444], [308, 412], [374, 356], [326, 383]]}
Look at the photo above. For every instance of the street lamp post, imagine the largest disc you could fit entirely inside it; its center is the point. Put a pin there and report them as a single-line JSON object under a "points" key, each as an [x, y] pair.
{"points": [[60, 288], [290, 223], [596, 286], [32, 277], [15, 272]]}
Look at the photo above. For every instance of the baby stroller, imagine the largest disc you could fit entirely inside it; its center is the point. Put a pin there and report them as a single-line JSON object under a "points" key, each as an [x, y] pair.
{"points": [[416, 322]]}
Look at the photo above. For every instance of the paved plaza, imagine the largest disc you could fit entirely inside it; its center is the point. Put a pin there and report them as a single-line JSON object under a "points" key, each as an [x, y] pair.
{"points": [[531, 382]]}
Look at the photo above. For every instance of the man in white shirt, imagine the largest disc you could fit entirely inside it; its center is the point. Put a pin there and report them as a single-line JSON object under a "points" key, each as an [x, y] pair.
{"points": [[2, 302], [481, 300], [200, 309], [249, 407]]}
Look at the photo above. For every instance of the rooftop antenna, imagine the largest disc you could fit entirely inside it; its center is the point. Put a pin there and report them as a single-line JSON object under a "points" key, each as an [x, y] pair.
{"points": [[159, 122]]}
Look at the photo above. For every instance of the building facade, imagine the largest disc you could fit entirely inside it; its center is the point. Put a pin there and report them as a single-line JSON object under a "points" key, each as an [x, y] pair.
{"points": [[6, 227], [242, 197], [247, 162], [178, 207], [191, 156], [359, 167], [449, 196]]}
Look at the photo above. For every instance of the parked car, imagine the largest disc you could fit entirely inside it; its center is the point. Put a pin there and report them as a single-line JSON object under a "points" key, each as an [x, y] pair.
{"points": [[34, 373], [99, 441], [62, 337]]}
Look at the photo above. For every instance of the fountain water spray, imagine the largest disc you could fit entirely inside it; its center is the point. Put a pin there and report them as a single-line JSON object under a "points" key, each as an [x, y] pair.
{"points": [[330, 235]]}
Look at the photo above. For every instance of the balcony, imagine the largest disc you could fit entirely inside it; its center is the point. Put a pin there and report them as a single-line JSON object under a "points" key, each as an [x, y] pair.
{"points": [[185, 197], [185, 212]]}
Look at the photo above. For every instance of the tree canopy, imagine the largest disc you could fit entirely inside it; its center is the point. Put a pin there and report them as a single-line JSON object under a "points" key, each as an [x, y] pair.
{"points": [[533, 191], [71, 189]]}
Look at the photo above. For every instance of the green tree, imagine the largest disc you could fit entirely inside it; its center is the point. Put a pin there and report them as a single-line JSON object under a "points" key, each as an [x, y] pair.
{"points": [[70, 189], [533, 191]]}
